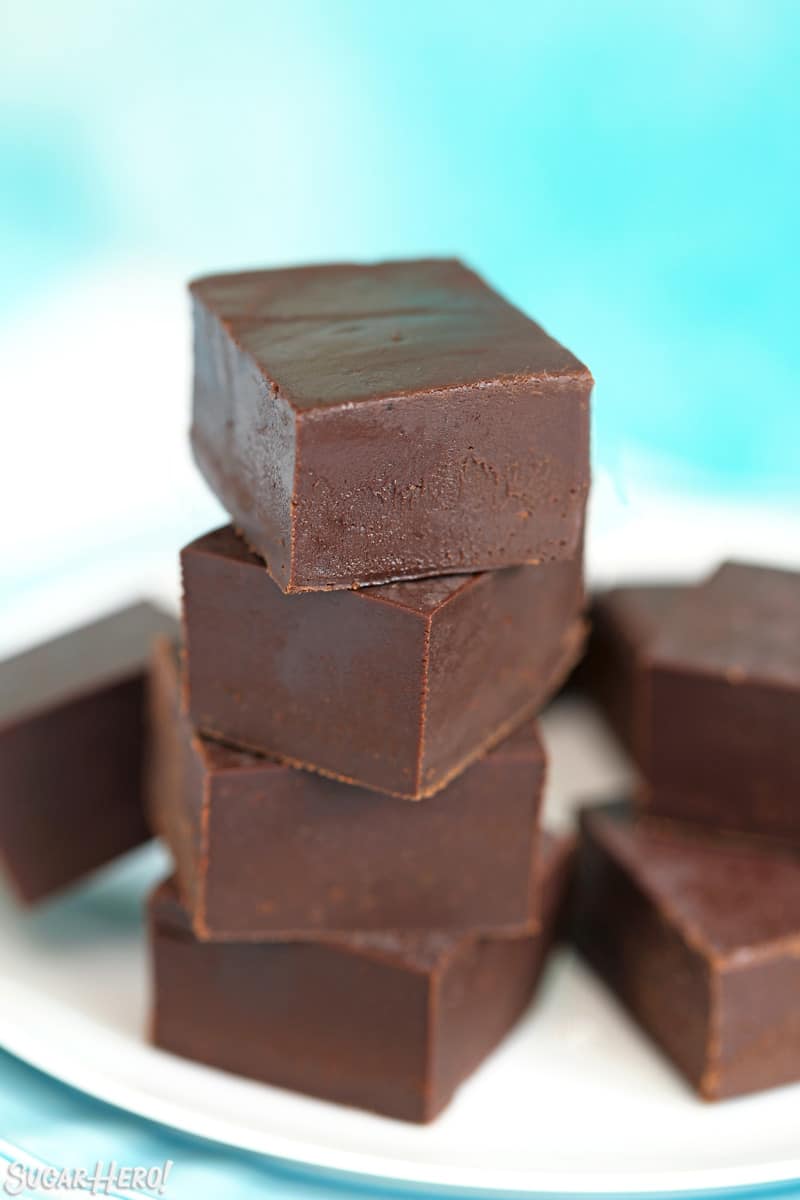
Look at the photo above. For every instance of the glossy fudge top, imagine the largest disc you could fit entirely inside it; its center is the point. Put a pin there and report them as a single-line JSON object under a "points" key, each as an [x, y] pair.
{"points": [[743, 623], [730, 898], [422, 596], [342, 334], [84, 659]]}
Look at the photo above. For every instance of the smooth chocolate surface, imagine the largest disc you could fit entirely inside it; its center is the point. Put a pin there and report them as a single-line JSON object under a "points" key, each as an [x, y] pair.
{"points": [[397, 688], [722, 705], [71, 748], [623, 622], [388, 1022], [264, 851], [364, 424], [699, 937]]}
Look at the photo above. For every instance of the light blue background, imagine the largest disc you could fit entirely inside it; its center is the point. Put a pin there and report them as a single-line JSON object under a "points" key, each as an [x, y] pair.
{"points": [[628, 172]]}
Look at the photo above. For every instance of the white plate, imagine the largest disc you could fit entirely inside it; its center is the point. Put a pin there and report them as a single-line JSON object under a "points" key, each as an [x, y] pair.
{"points": [[575, 1100]]}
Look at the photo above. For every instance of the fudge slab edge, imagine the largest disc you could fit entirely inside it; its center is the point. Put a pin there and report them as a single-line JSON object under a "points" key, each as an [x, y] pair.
{"points": [[263, 851], [392, 1024], [395, 688], [722, 705], [699, 938], [364, 424], [72, 749], [623, 621]]}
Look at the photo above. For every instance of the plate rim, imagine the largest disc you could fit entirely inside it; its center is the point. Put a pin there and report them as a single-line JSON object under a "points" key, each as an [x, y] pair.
{"points": [[91, 1079]]}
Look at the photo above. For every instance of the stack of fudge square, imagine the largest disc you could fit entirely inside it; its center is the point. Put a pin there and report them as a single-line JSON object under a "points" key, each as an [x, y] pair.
{"points": [[345, 761], [688, 902], [341, 749]]}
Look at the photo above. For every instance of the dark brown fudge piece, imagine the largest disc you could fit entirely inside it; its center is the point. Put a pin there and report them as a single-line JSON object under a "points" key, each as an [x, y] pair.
{"points": [[397, 688], [722, 711], [388, 1022], [623, 623], [699, 937], [71, 747], [364, 424], [264, 851]]}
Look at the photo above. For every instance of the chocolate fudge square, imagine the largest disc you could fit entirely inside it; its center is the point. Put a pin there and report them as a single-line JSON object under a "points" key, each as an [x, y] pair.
{"points": [[388, 1022], [699, 937], [397, 688], [623, 621], [364, 424], [264, 851], [72, 746], [722, 705]]}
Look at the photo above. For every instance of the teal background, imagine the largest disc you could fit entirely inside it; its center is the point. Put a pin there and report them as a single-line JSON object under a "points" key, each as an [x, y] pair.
{"points": [[628, 172]]}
